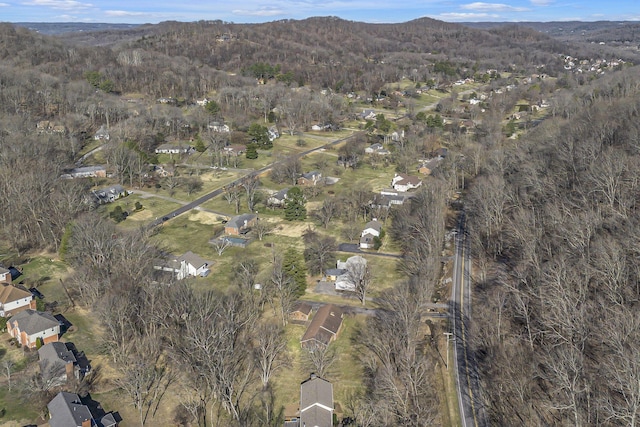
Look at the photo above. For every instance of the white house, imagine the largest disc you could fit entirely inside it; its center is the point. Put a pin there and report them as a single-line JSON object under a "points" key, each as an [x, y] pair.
{"points": [[219, 127], [174, 149], [344, 282], [403, 182], [14, 300], [5, 275], [29, 325], [101, 134], [371, 230], [186, 265]]}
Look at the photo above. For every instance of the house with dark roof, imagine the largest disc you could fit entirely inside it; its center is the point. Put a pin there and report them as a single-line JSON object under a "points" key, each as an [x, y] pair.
{"points": [[86, 172], [316, 403], [188, 264], [310, 178], [240, 224], [403, 182], [300, 312], [67, 410], [29, 325], [108, 194], [14, 300], [58, 363], [278, 198], [324, 327]]}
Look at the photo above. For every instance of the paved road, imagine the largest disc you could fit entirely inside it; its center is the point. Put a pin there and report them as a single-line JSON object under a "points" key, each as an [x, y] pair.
{"points": [[354, 248], [192, 205], [471, 408]]}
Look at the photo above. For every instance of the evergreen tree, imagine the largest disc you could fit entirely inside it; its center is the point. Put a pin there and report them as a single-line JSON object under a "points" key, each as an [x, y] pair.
{"points": [[294, 208], [295, 268], [252, 151], [260, 135], [199, 145]]}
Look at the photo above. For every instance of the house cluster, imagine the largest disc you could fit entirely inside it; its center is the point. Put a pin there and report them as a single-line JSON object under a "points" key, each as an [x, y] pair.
{"points": [[186, 265], [597, 66], [316, 404]]}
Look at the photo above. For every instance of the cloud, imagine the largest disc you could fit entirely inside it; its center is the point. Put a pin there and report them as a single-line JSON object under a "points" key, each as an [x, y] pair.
{"points": [[492, 7], [121, 13], [258, 12], [466, 16], [59, 4], [4, 4], [541, 2]]}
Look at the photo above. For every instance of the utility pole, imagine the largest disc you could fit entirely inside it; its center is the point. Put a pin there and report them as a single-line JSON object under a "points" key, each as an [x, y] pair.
{"points": [[448, 335]]}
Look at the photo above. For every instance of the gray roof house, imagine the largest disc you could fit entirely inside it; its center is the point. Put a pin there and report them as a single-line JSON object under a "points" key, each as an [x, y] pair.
{"points": [[316, 402], [29, 325], [239, 224], [60, 362], [108, 194], [188, 264], [67, 410], [371, 230], [278, 198]]}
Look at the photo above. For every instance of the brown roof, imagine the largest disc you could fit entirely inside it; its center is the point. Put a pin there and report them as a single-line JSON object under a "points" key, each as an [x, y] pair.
{"points": [[9, 293], [325, 324], [302, 307], [408, 179]]}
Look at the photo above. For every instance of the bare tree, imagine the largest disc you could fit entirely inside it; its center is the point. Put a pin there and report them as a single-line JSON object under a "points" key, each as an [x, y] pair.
{"points": [[220, 245], [270, 350], [359, 274], [262, 228], [250, 185], [232, 194], [327, 211], [284, 288], [319, 359]]}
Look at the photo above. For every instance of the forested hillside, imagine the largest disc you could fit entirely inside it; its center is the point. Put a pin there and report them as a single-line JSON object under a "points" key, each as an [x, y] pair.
{"points": [[556, 229]]}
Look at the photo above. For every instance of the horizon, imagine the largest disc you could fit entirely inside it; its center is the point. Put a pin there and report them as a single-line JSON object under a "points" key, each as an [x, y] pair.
{"points": [[257, 11]]}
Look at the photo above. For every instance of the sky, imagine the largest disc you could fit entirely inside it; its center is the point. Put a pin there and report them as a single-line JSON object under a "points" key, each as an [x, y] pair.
{"points": [[374, 11]]}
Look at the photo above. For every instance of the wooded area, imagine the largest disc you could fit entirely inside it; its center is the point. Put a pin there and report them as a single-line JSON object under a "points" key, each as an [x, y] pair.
{"points": [[551, 199]]}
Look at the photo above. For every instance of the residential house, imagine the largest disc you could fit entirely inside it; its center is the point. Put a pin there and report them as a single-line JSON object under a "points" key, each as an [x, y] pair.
{"points": [[316, 403], [187, 265], [310, 178], [278, 198], [14, 300], [368, 115], [46, 126], [300, 312], [240, 224], [174, 149], [202, 102], [235, 149], [403, 182], [109, 194], [371, 230], [427, 166], [273, 133], [324, 327], [102, 134], [67, 410], [29, 325], [219, 127], [5, 275], [377, 148], [86, 172], [392, 197], [58, 362], [166, 100], [344, 281]]}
